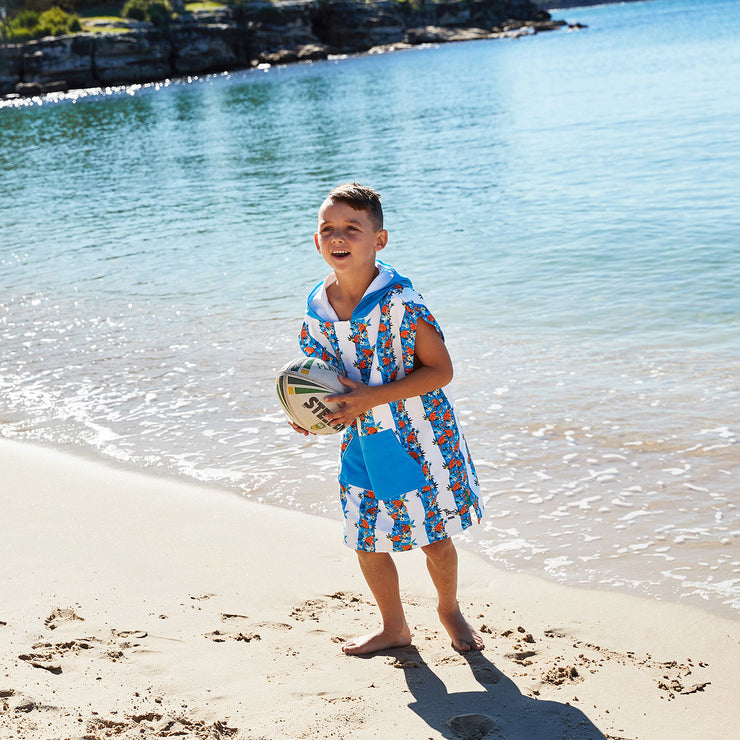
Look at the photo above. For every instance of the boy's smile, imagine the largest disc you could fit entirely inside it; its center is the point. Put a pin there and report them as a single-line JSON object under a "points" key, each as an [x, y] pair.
{"points": [[347, 238]]}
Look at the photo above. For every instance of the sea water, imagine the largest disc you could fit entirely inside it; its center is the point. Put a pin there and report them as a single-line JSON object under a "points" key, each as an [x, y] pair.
{"points": [[568, 204]]}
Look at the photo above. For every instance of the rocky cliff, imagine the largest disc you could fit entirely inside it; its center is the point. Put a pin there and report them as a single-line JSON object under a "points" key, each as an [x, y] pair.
{"points": [[255, 33]]}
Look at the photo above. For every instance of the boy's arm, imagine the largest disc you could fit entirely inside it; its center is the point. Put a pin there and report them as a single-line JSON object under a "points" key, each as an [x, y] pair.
{"points": [[432, 370]]}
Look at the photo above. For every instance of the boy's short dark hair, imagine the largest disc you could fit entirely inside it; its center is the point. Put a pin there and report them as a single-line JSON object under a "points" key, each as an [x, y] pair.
{"points": [[361, 198]]}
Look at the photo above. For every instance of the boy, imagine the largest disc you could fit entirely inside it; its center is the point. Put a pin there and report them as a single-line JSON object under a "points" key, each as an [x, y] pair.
{"points": [[406, 478]]}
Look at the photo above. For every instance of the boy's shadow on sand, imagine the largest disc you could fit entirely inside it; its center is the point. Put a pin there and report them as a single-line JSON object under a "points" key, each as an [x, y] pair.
{"points": [[501, 711]]}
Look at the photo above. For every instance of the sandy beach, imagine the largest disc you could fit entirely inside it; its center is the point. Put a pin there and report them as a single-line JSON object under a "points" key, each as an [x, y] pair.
{"points": [[136, 606]]}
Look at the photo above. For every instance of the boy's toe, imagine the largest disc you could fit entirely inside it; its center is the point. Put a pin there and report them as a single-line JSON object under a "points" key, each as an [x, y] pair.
{"points": [[468, 646]]}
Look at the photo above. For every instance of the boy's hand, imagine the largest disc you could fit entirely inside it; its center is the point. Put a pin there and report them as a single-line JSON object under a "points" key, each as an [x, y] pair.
{"points": [[298, 429], [432, 370], [354, 403]]}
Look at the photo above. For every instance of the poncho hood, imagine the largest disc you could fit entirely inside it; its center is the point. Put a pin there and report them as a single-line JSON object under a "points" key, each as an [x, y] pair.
{"points": [[318, 306]]}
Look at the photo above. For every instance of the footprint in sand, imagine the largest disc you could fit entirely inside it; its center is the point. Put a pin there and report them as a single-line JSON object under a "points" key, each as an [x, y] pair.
{"points": [[274, 626], [24, 704], [521, 657], [472, 726], [555, 632], [234, 620], [159, 724], [235, 628], [313, 609], [219, 636], [60, 616], [47, 655]]}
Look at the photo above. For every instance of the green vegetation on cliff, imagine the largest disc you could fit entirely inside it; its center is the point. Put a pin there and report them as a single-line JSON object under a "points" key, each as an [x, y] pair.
{"points": [[22, 20], [161, 39], [157, 12], [32, 24]]}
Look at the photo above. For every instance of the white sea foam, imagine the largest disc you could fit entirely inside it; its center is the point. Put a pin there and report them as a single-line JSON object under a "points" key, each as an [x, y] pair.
{"points": [[596, 357]]}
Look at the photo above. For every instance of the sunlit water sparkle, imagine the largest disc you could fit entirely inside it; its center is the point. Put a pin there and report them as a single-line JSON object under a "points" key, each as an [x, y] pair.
{"points": [[568, 204]]}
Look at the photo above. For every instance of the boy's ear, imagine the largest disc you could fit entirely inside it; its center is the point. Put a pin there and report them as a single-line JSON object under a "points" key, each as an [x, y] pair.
{"points": [[316, 242], [381, 240]]}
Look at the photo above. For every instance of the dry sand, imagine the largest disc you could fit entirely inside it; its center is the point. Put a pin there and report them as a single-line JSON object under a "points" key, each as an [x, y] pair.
{"points": [[133, 606]]}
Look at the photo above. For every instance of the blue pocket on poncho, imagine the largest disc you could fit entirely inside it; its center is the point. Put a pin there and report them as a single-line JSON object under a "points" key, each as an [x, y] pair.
{"points": [[380, 463]]}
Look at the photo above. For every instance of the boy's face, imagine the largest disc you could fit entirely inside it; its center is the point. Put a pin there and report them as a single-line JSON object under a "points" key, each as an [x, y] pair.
{"points": [[347, 239]]}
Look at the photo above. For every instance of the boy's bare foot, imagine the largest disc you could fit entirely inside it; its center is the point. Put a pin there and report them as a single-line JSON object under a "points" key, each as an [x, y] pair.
{"points": [[375, 641], [464, 637]]}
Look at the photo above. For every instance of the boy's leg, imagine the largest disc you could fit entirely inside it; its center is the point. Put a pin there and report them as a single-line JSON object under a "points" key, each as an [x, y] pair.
{"points": [[382, 578], [442, 566]]}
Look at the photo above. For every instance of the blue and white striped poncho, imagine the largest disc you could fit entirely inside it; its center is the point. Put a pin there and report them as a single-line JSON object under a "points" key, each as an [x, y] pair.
{"points": [[405, 475]]}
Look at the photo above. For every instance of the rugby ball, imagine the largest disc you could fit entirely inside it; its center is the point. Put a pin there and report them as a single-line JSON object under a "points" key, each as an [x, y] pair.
{"points": [[301, 387]]}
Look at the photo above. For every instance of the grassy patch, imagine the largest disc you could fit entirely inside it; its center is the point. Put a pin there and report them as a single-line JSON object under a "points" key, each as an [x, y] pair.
{"points": [[96, 14], [95, 25], [203, 5]]}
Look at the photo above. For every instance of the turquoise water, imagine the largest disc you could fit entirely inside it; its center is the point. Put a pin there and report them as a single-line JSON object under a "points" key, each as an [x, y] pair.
{"points": [[568, 203]]}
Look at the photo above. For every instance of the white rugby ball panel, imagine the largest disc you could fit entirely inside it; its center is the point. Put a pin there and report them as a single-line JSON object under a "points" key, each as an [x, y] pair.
{"points": [[302, 386]]}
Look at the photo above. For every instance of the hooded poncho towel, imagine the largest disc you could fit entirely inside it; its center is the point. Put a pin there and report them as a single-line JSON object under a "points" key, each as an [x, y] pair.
{"points": [[405, 475]]}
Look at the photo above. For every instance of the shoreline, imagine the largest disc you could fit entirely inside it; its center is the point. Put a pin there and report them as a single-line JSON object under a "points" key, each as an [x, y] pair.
{"points": [[568, 4], [89, 455], [161, 604], [244, 37]]}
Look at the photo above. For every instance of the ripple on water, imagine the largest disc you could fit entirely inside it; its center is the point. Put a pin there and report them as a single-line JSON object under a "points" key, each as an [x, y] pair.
{"points": [[153, 290]]}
